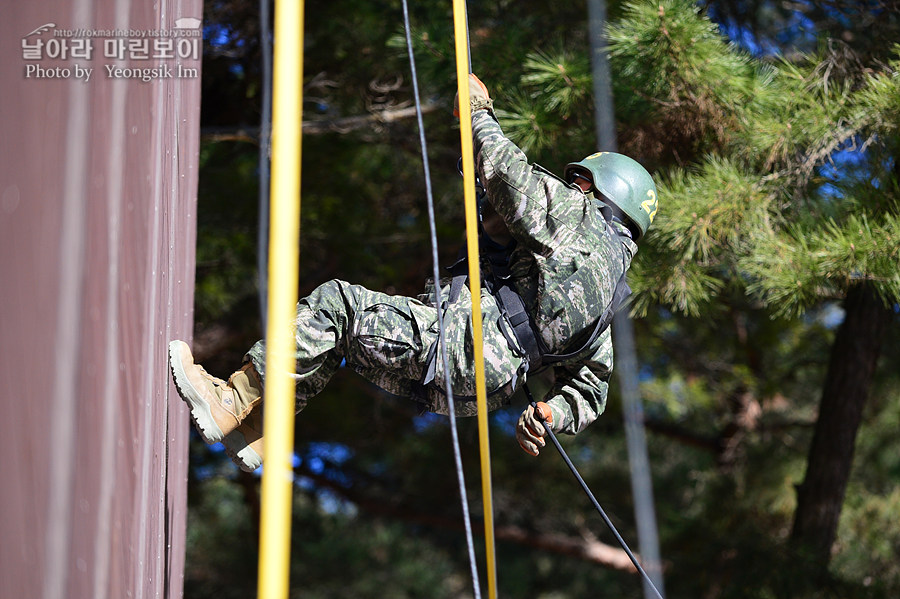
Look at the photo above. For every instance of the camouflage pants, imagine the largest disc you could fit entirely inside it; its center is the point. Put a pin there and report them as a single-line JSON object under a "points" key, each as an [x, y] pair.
{"points": [[387, 340]]}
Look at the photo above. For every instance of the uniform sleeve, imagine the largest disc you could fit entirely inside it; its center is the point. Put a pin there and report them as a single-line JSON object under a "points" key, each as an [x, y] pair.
{"points": [[539, 209], [579, 395]]}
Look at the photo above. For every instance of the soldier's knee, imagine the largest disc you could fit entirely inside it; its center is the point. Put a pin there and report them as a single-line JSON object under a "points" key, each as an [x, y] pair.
{"points": [[333, 294]]}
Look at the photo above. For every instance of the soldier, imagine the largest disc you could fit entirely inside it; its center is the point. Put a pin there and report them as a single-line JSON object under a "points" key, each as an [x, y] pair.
{"points": [[565, 246]]}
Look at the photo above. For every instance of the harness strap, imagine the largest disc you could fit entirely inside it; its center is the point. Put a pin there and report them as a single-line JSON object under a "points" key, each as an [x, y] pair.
{"points": [[460, 273], [513, 307]]}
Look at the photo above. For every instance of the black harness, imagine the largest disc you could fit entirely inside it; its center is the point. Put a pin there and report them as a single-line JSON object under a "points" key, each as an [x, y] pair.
{"points": [[521, 329]]}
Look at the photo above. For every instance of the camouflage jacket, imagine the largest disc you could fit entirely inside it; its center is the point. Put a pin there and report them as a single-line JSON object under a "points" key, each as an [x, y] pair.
{"points": [[565, 266]]}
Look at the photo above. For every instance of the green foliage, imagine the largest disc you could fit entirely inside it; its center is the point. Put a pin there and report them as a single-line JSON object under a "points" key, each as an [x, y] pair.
{"points": [[808, 265], [220, 542], [563, 81], [698, 240], [755, 211], [226, 233], [334, 555], [881, 97], [551, 106], [669, 50], [677, 71], [869, 539]]}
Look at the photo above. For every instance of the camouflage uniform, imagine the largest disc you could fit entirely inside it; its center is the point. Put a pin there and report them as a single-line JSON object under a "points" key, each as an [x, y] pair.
{"points": [[387, 338], [565, 266]]}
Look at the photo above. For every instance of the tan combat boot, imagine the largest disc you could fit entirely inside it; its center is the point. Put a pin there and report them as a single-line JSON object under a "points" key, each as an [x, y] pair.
{"points": [[217, 407], [244, 445]]}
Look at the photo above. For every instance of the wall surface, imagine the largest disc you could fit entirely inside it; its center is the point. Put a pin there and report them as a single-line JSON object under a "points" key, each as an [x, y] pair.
{"points": [[98, 178]]}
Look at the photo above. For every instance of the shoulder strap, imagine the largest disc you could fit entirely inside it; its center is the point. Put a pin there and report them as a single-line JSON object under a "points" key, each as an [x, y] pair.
{"points": [[459, 271]]}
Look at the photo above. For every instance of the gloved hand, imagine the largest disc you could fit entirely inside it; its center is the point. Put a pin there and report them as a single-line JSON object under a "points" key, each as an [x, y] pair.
{"points": [[529, 429], [479, 97]]}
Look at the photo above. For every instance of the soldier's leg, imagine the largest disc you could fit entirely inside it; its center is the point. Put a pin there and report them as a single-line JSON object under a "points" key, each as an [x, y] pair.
{"points": [[337, 321], [374, 332], [502, 360], [370, 330]]}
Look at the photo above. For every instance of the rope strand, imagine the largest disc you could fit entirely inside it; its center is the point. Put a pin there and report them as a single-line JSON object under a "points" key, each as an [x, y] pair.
{"points": [[593, 499], [461, 45], [265, 129], [451, 404]]}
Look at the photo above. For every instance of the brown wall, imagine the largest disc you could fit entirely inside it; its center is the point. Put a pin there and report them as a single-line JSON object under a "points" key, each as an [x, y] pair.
{"points": [[97, 229]]}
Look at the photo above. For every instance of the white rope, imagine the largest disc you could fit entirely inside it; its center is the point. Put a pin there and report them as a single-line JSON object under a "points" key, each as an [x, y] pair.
{"points": [[451, 405]]}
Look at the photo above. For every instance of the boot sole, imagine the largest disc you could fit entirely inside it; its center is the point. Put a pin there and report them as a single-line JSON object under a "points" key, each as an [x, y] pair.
{"points": [[201, 415], [240, 452]]}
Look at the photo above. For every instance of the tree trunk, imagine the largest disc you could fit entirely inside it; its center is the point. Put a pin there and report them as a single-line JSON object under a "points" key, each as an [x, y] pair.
{"points": [[851, 369]]}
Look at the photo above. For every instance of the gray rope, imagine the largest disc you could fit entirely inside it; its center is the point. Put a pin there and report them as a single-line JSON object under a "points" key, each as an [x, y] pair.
{"points": [[590, 495], [451, 404], [262, 249]]}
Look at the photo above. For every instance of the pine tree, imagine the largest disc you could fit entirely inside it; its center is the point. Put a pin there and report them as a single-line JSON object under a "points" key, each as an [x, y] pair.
{"points": [[778, 192], [790, 195]]}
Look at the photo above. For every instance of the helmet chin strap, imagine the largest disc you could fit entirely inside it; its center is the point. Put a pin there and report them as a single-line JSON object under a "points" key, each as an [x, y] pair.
{"points": [[617, 214]]}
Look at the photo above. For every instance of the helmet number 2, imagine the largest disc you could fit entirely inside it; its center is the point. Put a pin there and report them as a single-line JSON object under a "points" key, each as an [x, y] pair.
{"points": [[650, 205]]}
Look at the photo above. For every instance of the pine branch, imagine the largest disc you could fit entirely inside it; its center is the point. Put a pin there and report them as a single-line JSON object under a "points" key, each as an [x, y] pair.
{"points": [[337, 125]]}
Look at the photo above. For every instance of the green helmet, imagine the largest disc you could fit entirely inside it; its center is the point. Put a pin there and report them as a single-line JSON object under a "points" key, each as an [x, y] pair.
{"points": [[624, 182]]}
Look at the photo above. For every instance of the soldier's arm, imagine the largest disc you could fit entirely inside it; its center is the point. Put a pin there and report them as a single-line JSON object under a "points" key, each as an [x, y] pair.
{"points": [[526, 197], [578, 396]]}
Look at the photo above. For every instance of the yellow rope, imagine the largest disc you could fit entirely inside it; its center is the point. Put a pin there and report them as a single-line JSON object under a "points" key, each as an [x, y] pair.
{"points": [[465, 128], [275, 521], [274, 558]]}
